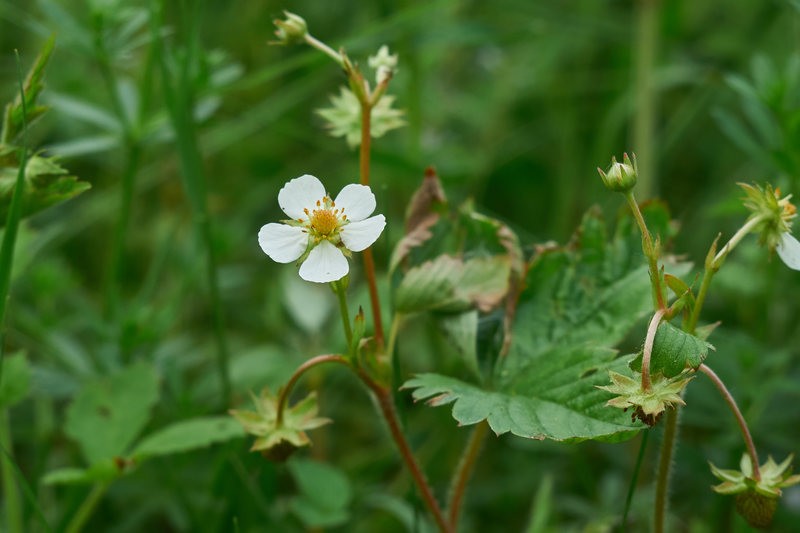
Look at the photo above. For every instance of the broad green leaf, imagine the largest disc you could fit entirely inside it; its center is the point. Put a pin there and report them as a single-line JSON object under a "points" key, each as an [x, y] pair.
{"points": [[46, 183], [325, 494], [674, 351], [108, 413], [452, 284], [188, 435], [16, 379], [578, 302]]}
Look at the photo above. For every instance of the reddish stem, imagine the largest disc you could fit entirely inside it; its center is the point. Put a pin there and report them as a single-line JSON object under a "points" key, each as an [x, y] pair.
{"points": [[648, 348], [386, 404], [464, 472], [283, 395], [748, 439]]}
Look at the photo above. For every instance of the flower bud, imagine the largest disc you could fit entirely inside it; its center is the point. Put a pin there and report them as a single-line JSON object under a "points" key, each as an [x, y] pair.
{"points": [[293, 30], [620, 177]]}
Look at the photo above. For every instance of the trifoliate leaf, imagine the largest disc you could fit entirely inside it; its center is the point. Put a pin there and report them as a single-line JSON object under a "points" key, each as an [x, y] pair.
{"points": [[109, 412], [578, 301]]}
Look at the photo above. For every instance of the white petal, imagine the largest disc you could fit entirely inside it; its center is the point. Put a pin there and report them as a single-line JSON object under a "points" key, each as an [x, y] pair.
{"points": [[359, 235], [325, 263], [357, 200], [300, 193], [789, 251], [282, 243]]}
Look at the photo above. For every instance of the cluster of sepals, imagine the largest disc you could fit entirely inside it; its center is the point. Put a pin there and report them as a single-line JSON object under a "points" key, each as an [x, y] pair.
{"points": [[548, 322], [671, 356]]}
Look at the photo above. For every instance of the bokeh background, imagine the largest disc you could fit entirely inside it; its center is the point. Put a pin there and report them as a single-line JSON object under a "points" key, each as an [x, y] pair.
{"points": [[515, 103]]}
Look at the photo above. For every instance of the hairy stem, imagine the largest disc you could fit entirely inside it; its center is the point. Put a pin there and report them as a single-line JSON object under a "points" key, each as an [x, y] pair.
{"points": [[464, 471], [283, 395], [648, 348], [389, 412], [748, 439], [649, 252], [664, 470]]}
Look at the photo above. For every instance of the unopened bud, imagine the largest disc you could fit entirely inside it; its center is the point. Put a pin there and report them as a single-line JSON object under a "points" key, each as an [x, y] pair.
{"points": [[292, 30], [620, 177]]}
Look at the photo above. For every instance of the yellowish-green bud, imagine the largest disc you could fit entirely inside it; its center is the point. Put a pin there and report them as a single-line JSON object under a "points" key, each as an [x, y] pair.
{"points": [[292, 30], [620, 177]]}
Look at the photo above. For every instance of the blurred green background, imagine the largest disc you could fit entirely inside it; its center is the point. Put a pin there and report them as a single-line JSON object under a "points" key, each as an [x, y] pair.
{"points": [[515, 103]]}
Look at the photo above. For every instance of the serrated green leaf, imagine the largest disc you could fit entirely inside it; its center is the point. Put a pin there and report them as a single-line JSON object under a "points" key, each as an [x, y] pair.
{"points": [[579, 301], [108, 413], [188, 435], [674, 351], [16, 378], [452, 284]]}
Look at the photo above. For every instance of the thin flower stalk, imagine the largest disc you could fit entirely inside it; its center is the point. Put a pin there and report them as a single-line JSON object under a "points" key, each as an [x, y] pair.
{"points": [[283, 395], [648, 348], [748, 439]]}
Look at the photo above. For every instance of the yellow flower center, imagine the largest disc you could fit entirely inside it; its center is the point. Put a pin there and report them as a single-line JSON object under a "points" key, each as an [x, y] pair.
{"points": [[325, 220]]}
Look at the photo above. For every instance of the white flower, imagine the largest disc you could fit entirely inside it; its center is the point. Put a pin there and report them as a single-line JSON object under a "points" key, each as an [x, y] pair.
{"points": [[321, 231], [789, 251]]}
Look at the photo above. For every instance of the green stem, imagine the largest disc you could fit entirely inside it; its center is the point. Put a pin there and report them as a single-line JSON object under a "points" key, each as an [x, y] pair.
{"points": [[324, 48], [13, 503], [10, 489], [664, 470], [634, 479], [713, 265], [341, 295], [389, 412], [748, 438], [649, 252], [87, 508], [112, 289], [644, 118], [283, 395], [466, 465]]}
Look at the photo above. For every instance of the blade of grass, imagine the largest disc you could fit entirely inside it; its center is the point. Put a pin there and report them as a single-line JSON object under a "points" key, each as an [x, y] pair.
{"points": [[179, 99], [14, 519]]}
